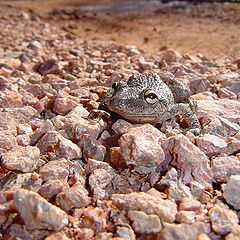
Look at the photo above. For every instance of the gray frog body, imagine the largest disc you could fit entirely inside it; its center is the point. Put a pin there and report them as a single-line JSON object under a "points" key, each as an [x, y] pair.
{"points": [[152, 98]]}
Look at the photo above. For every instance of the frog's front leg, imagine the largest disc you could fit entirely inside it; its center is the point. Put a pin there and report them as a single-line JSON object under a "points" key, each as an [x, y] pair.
{"points": [[190, 117], [97, 114], [166, 120]]}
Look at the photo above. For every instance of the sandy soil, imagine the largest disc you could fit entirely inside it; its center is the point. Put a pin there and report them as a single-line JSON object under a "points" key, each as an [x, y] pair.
{"points": [[212, 30]]}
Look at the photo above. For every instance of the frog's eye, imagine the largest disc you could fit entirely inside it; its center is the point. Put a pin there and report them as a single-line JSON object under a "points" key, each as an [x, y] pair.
{"points": [[150, 96], [115, 85]]}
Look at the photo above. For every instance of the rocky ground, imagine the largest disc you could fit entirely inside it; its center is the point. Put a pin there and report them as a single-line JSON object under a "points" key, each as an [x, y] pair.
{"points": [[63, 176]]}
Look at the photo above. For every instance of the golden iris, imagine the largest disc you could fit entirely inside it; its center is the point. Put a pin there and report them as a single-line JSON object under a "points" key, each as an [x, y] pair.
{"points": [[115, 85], [150, 96]]}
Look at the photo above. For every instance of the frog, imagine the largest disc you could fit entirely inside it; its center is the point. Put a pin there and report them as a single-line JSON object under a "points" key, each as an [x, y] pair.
{"points": [[151, 98]]}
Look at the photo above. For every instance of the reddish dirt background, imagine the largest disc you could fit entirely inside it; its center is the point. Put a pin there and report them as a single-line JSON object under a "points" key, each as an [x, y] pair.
{"points": [[213, 30]]}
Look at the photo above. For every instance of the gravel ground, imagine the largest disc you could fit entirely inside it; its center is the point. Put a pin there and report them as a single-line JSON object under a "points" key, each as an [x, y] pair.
{"points": [[65, 177]]}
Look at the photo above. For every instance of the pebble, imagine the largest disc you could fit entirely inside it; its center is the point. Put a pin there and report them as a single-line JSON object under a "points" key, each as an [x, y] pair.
{"points": [[189, 159], [23, 159], [37, 212], [144, 223], [223, 220], [224, 167], [60, 147], [48, 67], [74, 197], [165, 209], [211, 145], [179, 231], [141, 146], [231, 192]]}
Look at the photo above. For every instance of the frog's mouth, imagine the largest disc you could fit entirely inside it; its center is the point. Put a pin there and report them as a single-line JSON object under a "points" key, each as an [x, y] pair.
{"points": [[134, 116], [139, 118]]}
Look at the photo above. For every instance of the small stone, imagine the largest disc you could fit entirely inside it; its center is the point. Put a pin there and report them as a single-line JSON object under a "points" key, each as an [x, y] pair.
{"points": [[189, 159], [52, 187], [11, 117], [7, 141], [39, 132], [54, 142], [212, 79], [9, 63], [116, 159], [231, 192], [186, 217], [48, 67], [37, 213], [203, 236], [101, 174], [10, 99], [226, 93], [205, 96], [171, 176], [124, 231], [202, 69], [25, 15], [224, 167], [78, 112], [231, 82], [40, 90], [99, 179], [154, 192], [210, 144], [79, 126], [145, 65], [189, 204], [57, 236], [149, 204], [95, 218], [17, 231], [225, 108], [83, 233], [30, 181], [170, 55], [23, 159], [23, 140], [104, 236], [24, 128], [94, 164], [121, 126], [35, 45], [91, 148], [143, 223], [234, 235], [177, 191], [58, 169], [5, 72], [219, 126], [63, 105], [223, 220], [183, 231], [233, 145], [74, 197], [132, 50], [56, 82], [141, 146]]}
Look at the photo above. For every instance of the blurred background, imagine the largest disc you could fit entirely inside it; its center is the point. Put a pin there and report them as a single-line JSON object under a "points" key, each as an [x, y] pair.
{"points": [[209, 27]]}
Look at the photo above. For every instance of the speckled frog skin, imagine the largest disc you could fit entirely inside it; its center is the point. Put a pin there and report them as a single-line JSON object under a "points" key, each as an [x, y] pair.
{"points": [[152, 98]]}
